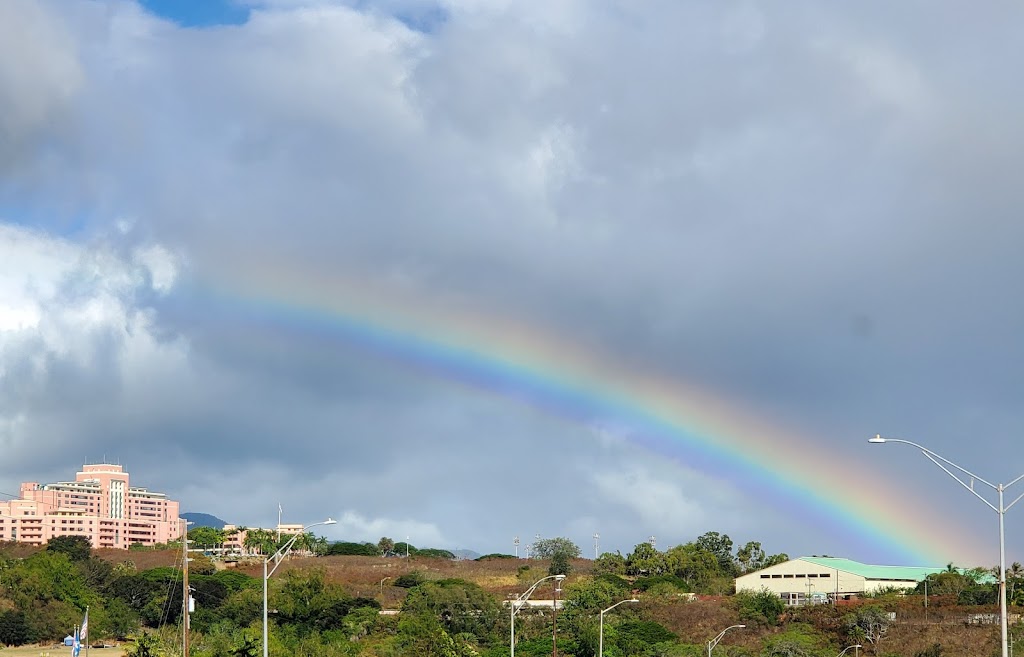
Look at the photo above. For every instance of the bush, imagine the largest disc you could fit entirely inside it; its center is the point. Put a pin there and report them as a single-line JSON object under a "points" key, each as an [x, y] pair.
{"points": [[763, 607], [618, 582], [646, 583], [409, 580], [344, 548], [495, 556], [435, 553]]}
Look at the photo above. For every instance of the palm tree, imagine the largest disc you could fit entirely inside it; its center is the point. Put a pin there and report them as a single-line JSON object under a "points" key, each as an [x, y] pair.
{"points": [[304, 542], [1013, 575]]}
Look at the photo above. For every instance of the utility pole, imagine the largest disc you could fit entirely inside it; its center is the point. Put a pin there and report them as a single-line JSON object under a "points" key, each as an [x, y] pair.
{"points": [[597, 537], [185, 591]]}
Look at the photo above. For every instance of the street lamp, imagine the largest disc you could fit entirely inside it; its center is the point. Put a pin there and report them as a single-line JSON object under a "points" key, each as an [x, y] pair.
{"points": [[714, 642], [1001, 510], [382, 584], [856, 652], [600, 635], [517, 604], [277, 557]]}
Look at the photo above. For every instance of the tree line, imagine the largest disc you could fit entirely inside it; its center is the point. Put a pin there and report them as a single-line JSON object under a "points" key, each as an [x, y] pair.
{"points": [[44, 595]]}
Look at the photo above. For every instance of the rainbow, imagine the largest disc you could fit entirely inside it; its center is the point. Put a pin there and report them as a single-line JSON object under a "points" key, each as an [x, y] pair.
{"points": [[559, 377]]}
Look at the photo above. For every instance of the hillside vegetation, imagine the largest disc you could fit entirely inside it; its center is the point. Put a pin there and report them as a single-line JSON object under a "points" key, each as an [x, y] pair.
{"points": [[331, 605]]}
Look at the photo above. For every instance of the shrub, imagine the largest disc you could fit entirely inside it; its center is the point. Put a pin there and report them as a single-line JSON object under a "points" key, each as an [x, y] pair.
{"points": [[409, 580]]}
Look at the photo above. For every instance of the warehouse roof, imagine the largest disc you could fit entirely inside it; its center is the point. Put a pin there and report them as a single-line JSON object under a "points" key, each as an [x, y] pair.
{"points": [[900, 573]]}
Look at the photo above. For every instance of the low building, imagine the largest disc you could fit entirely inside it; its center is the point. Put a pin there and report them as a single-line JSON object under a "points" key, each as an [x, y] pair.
{"points": [[100, 504], [823, 579]]}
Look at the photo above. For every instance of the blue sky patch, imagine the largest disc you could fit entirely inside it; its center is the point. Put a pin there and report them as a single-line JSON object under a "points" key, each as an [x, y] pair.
{"points": [[199, 13]]}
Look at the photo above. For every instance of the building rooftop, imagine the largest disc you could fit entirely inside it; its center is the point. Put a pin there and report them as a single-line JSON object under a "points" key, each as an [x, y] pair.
{"points": [[904, 573]]}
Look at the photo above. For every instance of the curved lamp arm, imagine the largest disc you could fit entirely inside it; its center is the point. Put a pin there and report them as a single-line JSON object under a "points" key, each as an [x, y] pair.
{"points": [[517, 604], [714, 642], [943, 462], [278, 556]]}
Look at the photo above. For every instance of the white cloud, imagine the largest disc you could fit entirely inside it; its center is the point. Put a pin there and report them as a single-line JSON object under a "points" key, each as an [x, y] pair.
{"points": [[656, 501], [160, 264], [353, 526], [71, 319]]}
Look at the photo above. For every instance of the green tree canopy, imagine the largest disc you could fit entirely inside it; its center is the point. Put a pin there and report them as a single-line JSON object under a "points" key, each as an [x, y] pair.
{"points": [[547, 548], [205, 537], [645, 560], [78, 548]]}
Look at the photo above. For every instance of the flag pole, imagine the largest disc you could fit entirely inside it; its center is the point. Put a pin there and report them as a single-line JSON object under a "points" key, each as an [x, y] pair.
{"points": [[86, 637]]}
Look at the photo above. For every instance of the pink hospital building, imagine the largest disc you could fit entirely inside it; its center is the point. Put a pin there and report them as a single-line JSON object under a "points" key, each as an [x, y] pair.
{"points": [[99, 504]]}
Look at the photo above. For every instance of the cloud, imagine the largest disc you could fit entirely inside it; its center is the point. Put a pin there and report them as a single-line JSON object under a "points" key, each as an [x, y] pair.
{"points": [[356, 527], [75, 342], [804, 210]]}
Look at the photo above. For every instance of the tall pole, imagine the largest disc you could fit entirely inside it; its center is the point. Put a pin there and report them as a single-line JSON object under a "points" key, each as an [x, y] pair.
{"points": [[277, 557], [516, 605], [265, 633], [554, 621], [600, 633], [185, 592], [1000, 510], [1002, 575]]}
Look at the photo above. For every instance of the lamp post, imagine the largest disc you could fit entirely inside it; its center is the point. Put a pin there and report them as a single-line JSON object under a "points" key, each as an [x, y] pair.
{"points": [[600, 634], [517, 604], [382, 584], [277, 557], [554, 618], [856, 652], [714, 642], [1000, 510]]}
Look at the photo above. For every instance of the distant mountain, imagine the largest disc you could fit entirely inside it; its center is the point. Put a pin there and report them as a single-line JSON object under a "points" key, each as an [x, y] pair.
{"points": [[203, 520], [466, 554]]}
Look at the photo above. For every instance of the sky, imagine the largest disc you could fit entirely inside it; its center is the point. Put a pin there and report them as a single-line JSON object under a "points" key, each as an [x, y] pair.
{"points": [[465, 271]]}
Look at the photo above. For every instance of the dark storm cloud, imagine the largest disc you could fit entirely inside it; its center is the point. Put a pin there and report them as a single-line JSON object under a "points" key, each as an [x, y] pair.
{"points": [[809, 209]]}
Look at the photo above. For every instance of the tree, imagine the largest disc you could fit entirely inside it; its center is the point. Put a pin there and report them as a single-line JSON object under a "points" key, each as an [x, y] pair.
{"points": [[750, 557], [696, 566], [547, 548], [719, 545], [612, 564], [260, 541], [386, 546], [146, 645], [348, 548], [459, 607], [559, 564], [645, 560], [14, 629], [869, 623], [250, 647], [78, 548], [762, 607], [206, 537]]}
